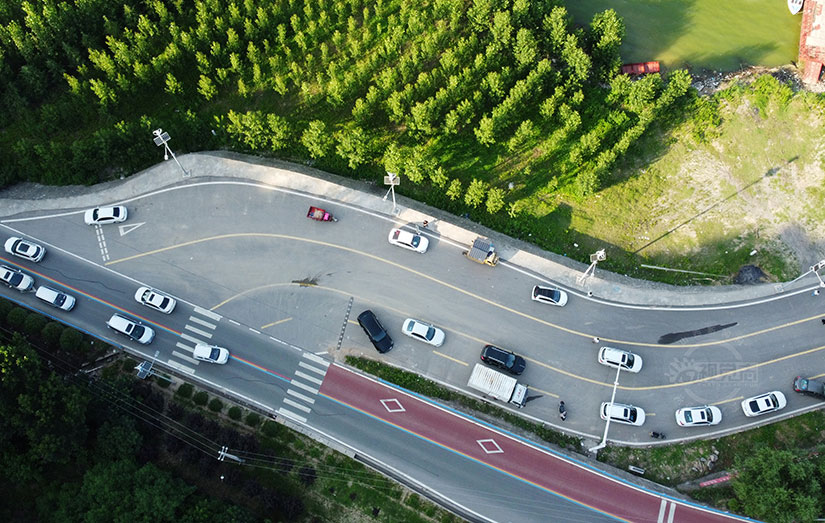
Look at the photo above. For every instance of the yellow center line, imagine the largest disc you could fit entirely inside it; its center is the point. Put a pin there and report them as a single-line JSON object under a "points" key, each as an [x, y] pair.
{"points": [[276, 323], [451, 358], [546, 393], [739, 398]]}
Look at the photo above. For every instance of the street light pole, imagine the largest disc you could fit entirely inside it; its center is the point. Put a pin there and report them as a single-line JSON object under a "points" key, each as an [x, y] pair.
{"points": [[392, 180], [595, 258], [162, 138], [609, 410]]}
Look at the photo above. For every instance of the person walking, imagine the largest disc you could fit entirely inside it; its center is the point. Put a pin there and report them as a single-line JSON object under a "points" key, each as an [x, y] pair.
{"points": [[562, 411], [596, 339]]}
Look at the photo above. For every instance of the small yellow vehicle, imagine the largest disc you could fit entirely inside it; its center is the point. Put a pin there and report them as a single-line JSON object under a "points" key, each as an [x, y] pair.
{"points": [[483, 251]]}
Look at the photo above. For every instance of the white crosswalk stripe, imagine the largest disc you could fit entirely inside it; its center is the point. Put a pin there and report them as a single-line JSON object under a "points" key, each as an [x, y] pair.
{"points": [[203, 333]]}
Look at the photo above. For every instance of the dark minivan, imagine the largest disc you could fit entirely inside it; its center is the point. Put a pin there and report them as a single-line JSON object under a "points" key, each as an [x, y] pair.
{"points": [[503, 359], [376, 332]]}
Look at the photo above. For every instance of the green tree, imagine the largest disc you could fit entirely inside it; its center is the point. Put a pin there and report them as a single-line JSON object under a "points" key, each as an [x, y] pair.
{"points": [[316, 139], [475, 192], [207, 88], [607, 30], [454, 190], [392, 159], [352, 146], [495, 200], [525, 48]]}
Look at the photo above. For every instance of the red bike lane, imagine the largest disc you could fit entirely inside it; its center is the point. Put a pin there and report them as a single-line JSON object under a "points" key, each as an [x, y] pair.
{"points": [[508, 454]]}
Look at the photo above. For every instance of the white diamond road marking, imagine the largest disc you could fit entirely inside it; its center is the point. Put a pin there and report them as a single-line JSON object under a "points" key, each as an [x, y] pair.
{"points": [[208, 314], [489, 446], [393, 405], [205, 334], [185, 357], [291, 415], [307, 377], [316, 359], [313, 369], [300, 396], [297, 405], [304, 386], [204, 323]]}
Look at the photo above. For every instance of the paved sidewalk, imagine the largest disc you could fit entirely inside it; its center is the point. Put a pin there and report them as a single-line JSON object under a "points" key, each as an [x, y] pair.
{"points": [[27, 199]]}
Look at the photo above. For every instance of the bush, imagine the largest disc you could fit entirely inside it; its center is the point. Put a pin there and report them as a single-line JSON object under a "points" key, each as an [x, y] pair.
{"points": [[271, 429], [253, 419], [129, 365], [307, 475], [16, 317], [34, 323], [70, 340], [164, 382], [201, 398], [51, 334], [5, 307], [235, 413], [215, 405], [185, 390]]}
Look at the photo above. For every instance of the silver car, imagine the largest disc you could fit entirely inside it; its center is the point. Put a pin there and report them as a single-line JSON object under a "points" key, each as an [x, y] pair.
{"points": [[423, 332], [132, 328], [16, 279], [55, 298], [103, 215], [25, 249], [156, 300], [210, 353]]}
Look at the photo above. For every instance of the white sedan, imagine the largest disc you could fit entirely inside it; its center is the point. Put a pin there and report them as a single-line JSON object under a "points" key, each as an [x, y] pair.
{"points": [[764, 403], [16, 279], [423, 331], [698, 416], [408, 240], [620, 358], [622, 413], [25, 249], [154, 299], [211, 353], [103, 215]]}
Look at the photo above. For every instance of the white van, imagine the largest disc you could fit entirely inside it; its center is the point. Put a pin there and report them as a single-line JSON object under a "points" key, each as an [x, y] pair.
{"points": [[55, 298]]}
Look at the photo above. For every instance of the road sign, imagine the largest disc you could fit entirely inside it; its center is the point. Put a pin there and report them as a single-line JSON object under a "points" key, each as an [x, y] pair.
{"points": [[392, 179], [818, 267]]}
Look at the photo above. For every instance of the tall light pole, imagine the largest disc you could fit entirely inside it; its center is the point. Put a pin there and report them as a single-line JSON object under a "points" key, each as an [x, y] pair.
{"points": [[162, 138], [595, 258], [609, 410], [392, 180]]}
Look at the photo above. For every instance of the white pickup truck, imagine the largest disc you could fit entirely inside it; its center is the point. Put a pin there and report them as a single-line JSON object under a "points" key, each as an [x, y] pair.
{"points": [[497, 385]]}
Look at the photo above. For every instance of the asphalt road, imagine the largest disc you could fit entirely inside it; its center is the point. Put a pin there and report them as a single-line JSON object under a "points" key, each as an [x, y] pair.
{"points": [[252, 273]]}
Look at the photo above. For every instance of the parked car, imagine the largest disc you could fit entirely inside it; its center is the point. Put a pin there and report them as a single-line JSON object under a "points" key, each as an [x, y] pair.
{"points": [[620, 358], [156, 300], [764, 403], [56, 298], [25, 249], [698, 416], [423, 331], [16, 279], [503, 359], [809, 386], [622, 413], [210, 353], [408, 240], [549, 295], [132, 328], [376, 332], [104, 215]]}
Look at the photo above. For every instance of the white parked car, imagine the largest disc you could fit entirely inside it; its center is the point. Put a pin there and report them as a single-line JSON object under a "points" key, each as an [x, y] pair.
{"points": [[621, 413], [55, 298], [25, 249], [549, 295], [620, 358], [408, 240], [154, 299], [211, 353], [104, 215], [698, 416], [423, 331], [16, 279], [764, 403], [132, 328]]}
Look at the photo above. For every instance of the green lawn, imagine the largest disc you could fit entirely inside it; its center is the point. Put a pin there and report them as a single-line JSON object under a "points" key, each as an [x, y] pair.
{"points": [[702, 33]]}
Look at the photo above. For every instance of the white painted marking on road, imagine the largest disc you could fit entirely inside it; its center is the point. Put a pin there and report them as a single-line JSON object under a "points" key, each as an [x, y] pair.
{"points": [[185, 357], [253, 330], [203, 323], [662, 508], [316, 370], [180, 367], [235, 322], [291, 415], [190, 338], [126, 229], [209, 314], [307, 377], [316, 359], [393, 405], [490, 446], [304, 386], [672, 512], [297, 405], [298, 395], [205, 334], [184, 346]]}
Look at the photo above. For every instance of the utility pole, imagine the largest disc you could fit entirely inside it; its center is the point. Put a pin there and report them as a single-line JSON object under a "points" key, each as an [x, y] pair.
{"points": [[609, 410], [392, 180], [595, 258], [162, 138], [223, 454]]}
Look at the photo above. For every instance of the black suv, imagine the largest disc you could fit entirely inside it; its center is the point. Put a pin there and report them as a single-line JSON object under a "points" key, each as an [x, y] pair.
{"points": [[809, 386], [376, 332], [503, 359]]}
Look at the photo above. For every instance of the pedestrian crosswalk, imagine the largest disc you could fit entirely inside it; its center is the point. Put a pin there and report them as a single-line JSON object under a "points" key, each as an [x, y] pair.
{"points": [[306, 381], [198, 329]]}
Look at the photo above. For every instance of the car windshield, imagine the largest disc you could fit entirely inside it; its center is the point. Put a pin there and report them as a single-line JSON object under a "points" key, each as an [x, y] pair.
{"points": [[430, 333], [627, 359], [510, 360], [630, 414], [137, 331], [415, 241], [771, 401], [60, 299], [214, 354], [688, 416], [709, 415], [16, 279]]}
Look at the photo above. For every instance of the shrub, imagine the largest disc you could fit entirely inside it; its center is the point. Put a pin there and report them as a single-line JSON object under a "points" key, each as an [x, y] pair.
{"points": [[201, 398], [235, 413], [34, 323], [70, 340], [5, 307], [164, 382], [129, 364], [16, 317], [51, 334], [253, 419], [185, 390], [271, 429], [307, 475], [215, 405]]}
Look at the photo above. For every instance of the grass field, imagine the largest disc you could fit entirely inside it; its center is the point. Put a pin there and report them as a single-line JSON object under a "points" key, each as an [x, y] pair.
{"points": [[702, 34]]}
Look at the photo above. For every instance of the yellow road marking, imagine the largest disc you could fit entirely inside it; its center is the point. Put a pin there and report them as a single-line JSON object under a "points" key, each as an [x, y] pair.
{"points": [[276, 323], [546, 393], [740, 398], [451, 358]]}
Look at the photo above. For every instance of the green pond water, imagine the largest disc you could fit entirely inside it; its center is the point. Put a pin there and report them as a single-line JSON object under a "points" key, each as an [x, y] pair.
{"points": [[723, 35]]}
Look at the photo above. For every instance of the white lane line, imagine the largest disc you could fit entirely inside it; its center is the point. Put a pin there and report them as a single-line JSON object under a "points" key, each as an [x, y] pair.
{"points": [[304, 386], [253, 330], [180, 367], [672, 512], [184, 346], [195, 319], [205, 334], [662, 508], [291, 415], [297, 405], [307, 377], [185, 357], [235, 322], [307, 366], [300, 396], [312, 357], [190, 338], [208, 313]]}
